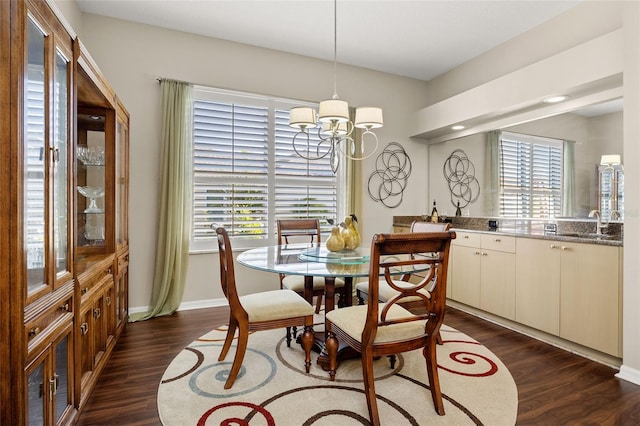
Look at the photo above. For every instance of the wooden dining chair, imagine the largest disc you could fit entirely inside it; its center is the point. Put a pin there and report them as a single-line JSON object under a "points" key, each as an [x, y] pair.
{"points": [[305, 230], [259, 311], [378, 329], [385, 291]]}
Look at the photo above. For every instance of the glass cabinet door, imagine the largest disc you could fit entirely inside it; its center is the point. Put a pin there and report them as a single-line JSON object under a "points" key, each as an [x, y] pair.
{"points": [[611, 192], [62, 377], [35, 157], [46, 162], [61, 210], [122, 179]]}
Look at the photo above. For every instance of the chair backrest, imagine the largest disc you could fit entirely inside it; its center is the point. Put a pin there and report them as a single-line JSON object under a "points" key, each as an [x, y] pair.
{"points": [[392, 251], [296, 228], [419, 226], [227, 271]]}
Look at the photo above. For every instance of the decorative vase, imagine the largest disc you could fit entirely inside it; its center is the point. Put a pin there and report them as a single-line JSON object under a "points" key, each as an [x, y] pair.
{"points": [[350, 233], [335, 242]]}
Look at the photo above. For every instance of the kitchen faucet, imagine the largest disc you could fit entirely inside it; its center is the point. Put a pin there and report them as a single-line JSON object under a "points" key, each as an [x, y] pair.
{"points": [[599, 225]]}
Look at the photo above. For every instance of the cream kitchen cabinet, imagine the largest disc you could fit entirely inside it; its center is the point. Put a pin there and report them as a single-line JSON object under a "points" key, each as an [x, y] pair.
{"points": [[571, 290], [538, 284], [483, 272], [590, 296]]}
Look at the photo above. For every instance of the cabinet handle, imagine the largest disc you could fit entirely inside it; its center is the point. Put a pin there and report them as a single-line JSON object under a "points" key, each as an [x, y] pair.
{"points": [[497, 240], [466, 237], [84, 290], [55, 154], [34, 331], [53, 386], [485, 254], [565, 248], [96, 313], [108, 300], [476, 252], [84, 328], [552, 246], [65, 307]]}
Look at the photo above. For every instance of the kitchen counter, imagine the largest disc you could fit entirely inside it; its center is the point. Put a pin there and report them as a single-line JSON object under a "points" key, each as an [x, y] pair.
{"points": [[569, 231]]}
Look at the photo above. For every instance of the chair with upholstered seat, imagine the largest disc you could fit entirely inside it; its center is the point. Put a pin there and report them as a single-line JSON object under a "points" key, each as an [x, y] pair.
{"points": [[378, 329], [305, 230], [385, 291], [259, 311]]}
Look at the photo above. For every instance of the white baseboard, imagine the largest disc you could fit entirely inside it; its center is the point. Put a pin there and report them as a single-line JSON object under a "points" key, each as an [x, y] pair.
{"points": [[187, 306], [629, 374]]}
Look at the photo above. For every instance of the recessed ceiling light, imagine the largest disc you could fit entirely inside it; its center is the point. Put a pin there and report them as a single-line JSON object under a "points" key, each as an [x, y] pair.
{"points": [[457, 127], [555, 99]]}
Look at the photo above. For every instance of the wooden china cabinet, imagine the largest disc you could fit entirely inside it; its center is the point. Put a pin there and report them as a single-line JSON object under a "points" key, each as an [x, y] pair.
{"points": [[63, 255]]}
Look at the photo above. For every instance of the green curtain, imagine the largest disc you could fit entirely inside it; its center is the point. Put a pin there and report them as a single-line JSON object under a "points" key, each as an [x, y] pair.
{"points": [[492, 173], [174, 228], [568, 184], [353, 177]]}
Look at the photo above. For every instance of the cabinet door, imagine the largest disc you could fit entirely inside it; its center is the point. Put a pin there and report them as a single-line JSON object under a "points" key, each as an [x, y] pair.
{"points": [[46, 159], [497, 283], [538, 284], [122, 177], [50, 383], [465, 275], [590, 296]]}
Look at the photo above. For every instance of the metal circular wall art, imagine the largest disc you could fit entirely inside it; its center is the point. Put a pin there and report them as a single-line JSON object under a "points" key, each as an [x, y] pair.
{"points": [[460, 174], [388, 181]]}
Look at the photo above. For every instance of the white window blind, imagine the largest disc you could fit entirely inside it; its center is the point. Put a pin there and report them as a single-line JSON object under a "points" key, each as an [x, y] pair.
{"points": [[530, 176], [246, 174]]}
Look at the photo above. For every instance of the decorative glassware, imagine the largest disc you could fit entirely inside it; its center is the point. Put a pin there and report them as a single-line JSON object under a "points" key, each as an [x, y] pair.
{"points": [[91, 156], [92, 193]]}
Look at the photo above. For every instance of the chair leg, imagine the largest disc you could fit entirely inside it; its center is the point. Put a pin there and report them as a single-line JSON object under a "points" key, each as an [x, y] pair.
{"points": [[331, 346], [369, 387], [288, 337], [307, 344], [360, 298], [243, 337], [439, 338], [429, 353], [392, 360], [231, 331], [318, 304]]}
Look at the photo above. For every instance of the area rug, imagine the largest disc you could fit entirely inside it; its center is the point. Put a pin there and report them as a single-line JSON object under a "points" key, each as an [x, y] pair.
{"points": [[273, 388]]}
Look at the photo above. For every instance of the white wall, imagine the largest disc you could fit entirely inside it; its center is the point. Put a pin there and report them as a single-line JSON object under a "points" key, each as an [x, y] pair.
{"points": [[132, 56]]}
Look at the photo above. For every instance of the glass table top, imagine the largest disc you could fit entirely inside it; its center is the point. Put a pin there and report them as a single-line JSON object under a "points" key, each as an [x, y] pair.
{"points": [[311, 259]]}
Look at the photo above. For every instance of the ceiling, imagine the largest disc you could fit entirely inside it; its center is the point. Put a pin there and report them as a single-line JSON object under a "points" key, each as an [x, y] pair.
{"points": [[416, 38]]}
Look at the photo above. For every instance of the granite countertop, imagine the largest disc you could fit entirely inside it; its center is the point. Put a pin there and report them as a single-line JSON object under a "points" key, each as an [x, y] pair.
{"points": [[577, 232]]}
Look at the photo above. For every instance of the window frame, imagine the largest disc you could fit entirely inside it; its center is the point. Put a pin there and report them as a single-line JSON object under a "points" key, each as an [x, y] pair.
{"points": [[205, 245]]}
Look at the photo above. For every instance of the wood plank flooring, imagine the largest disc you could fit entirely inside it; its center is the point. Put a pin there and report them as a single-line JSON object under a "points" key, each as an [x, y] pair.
{"points": [[555, 387]]}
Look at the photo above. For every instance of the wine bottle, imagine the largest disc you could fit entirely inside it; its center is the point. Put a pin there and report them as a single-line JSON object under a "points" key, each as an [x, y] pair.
{"points": [[434, 213]]}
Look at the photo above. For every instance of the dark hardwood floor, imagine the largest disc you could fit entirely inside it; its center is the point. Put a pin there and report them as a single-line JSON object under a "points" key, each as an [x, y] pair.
{"points": [[555, 387]]}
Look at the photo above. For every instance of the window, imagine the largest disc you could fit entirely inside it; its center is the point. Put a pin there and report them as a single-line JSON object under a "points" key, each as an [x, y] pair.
{"points": [[246, 173], [530, 176]]}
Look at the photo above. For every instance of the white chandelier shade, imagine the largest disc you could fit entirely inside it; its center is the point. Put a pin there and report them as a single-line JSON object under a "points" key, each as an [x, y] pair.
{"points": [[302, 118], [333, 110]]}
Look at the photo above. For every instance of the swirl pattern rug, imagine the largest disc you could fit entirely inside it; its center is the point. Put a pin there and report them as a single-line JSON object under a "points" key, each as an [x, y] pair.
{"points": [[273, 388]]}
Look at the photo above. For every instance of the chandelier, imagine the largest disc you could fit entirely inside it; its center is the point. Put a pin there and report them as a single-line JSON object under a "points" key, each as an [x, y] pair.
{"points": [[335, 128]]}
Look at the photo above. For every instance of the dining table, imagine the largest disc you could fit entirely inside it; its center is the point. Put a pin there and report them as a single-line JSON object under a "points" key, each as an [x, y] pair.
{"points": [[315, 260]]}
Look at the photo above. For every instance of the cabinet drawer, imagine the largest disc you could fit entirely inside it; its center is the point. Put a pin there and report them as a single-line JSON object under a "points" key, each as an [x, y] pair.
{"points": [[40, 327], [122, 264], [95, 281], [498, 243], [466, 239]]}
